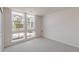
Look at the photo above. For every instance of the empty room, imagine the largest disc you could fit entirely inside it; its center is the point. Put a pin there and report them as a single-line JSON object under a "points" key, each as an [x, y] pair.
{"points": [[39, 29]]}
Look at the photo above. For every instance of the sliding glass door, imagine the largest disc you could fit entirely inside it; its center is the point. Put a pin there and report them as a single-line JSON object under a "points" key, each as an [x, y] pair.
{"points": [[30, 26], [18, 26], [23, 26]]}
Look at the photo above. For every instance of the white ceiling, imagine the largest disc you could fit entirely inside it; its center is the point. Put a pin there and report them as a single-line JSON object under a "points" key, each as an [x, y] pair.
{"points": [[39, 10]]}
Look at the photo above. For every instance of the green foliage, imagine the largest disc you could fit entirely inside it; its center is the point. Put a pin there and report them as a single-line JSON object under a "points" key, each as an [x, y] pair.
{"points": [[18, 23]]}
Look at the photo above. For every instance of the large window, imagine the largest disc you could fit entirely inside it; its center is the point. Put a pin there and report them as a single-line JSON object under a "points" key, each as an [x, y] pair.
{"points": [[30, 26], [17, 21], [21, 28], [18, 25]]}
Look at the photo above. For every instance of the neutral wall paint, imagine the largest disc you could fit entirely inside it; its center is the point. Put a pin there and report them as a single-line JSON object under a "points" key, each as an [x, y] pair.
{"points": [[7, 27], [63, 26], [0, 31], [38, 25]]}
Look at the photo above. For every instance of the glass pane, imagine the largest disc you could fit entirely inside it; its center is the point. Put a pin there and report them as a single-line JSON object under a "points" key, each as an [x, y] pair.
{"points": [[18, 36], [30, 26], [18, 26]]}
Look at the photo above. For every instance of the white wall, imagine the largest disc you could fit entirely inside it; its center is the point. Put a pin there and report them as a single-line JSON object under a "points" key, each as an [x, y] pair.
{"points": [[0, 31], [7, 27], [38, 25], [63, 26]]}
